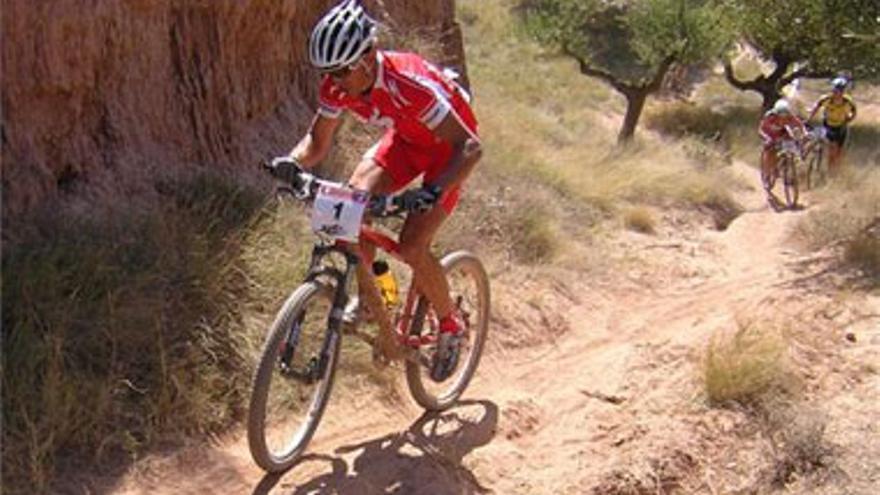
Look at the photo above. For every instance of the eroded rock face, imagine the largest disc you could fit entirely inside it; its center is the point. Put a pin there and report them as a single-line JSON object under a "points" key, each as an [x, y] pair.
{"points": [[130, 84]]}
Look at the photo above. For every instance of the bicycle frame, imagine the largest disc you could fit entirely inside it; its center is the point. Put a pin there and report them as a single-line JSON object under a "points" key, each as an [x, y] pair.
{"points": [[355, 254], [382, 241]]}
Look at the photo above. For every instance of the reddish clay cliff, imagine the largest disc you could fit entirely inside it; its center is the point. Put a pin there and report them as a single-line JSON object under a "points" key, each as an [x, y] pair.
{"points": [[131, 84]]}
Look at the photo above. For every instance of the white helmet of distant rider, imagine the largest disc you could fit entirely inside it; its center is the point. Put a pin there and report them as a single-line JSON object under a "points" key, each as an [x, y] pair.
{"points": [[781, 107], [838, 84], [341, 37]]}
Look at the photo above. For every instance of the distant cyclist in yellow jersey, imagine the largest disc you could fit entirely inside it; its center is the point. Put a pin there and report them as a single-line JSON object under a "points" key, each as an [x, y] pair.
{"points": [[839, 111]]}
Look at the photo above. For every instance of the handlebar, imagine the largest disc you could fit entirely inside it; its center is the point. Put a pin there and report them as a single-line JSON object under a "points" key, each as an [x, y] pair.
{"points": [[304, 186]]}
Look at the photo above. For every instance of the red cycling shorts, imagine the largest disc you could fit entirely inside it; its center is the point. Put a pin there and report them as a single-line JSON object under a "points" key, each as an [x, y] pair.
{"points": [[404, 162]]}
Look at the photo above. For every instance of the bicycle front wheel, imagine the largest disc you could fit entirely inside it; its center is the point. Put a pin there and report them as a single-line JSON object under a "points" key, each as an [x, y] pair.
{"points": [[293, 379], [469, 289], [790, 181]]}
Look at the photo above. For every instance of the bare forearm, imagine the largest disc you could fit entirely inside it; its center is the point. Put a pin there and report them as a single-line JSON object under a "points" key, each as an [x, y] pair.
{"points": [[308, 153], [315, 145]]}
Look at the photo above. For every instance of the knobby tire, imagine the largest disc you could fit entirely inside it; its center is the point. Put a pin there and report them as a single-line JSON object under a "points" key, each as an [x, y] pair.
{"points": [[417, 378], [268, 372]]}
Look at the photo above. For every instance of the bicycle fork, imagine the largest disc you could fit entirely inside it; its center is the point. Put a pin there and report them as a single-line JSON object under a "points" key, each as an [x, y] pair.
{"points": [[317, 365]]}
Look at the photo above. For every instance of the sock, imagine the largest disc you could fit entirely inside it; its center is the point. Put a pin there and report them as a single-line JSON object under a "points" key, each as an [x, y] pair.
{"points": [[449, 324]]}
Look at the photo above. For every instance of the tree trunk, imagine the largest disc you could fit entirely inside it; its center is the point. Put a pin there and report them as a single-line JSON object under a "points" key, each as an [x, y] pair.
{"points": [[766, 86], [769, 95], [635, 102]]}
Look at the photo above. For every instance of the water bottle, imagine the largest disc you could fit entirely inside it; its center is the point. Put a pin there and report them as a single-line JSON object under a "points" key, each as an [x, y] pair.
{"points": [[386, 283]]}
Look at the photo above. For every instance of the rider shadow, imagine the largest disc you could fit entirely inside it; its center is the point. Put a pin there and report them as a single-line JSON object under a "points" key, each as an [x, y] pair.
{"points": [[425, 458]]}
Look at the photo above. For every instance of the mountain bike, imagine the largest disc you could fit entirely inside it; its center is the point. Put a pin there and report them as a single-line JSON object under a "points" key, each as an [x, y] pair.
{"points": [[788, 157], [814, 156], [300, 354], [787, 166]]}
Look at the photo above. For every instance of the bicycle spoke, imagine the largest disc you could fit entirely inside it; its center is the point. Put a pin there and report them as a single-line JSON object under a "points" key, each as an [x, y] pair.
{"points": [[470, 292], [293, 379]]}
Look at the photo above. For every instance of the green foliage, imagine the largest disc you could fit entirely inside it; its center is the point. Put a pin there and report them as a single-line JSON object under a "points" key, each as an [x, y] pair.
{"points": [[631, 45], [629, 39], [824, 36], [692, 30]]}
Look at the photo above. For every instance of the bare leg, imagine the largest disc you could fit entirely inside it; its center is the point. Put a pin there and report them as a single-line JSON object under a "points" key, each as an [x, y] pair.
{"points": [[834, 155], [369, 176], [768, 167], [415, 247]]}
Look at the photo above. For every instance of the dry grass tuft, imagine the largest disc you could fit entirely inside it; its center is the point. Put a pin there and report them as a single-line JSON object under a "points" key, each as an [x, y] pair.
{"points": [[850, 219], [746, 367], [639, 219], [122, 325], [533, 237], [658, 475], [863, 252], [751, 371], [796, 436], [850, 204]]}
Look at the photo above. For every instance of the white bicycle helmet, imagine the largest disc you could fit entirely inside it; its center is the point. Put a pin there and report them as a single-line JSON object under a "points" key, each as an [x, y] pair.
{"points": [[838, 83], [781, 106], [342, 36]]}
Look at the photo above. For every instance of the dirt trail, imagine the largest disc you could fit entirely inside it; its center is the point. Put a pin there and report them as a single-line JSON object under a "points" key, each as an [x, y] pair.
{"points": [[618, 388]]}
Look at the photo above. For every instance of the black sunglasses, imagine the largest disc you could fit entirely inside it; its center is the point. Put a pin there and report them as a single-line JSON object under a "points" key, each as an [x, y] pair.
{"points": [[342, 72]]}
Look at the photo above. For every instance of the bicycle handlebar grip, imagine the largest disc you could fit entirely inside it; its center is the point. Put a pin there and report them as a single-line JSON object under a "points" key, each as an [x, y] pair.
{"points": [[286, 169], [378, 205]]}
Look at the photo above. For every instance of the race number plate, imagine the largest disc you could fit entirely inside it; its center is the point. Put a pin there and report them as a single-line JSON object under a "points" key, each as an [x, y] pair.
{"points": [[789, 146], [337, 212]]}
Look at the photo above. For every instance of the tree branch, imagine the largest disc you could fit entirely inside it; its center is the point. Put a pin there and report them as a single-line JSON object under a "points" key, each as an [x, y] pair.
{"points": [[805, 72], [736, 83], [782, 62], [662, 69], [592, 71]]}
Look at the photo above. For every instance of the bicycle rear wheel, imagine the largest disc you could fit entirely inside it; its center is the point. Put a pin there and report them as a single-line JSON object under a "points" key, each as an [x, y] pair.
{"points": [[469, 288], [790, 181], [293, 379], [816, 171]]}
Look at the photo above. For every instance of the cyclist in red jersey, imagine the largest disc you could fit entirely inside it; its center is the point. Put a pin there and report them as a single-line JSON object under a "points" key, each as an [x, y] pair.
{"points": [[432, 133], [777, 124]]}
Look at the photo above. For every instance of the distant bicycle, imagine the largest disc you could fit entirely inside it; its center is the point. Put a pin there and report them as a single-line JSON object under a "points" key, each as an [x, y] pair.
{"points": [[294, 376], [814, 157], [789, 155]]}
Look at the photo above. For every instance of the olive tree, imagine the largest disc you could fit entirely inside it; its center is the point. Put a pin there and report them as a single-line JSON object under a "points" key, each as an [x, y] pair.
{"points": [[631, 45], [805, 39]]}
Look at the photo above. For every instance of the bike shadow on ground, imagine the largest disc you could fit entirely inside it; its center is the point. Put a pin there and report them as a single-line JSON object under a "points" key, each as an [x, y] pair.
{"points": [[424, 458]]}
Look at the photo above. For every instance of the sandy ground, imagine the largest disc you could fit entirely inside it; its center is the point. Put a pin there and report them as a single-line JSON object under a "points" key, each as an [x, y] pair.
{"points": [[595, 388]]}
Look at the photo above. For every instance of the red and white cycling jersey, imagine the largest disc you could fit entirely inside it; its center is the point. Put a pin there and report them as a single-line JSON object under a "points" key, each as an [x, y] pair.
{"points": [[410, 96], [775, 127]]}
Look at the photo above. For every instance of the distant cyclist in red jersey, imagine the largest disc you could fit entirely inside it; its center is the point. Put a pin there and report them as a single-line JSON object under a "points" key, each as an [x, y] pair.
{"points": [[432, 133], [777, 124]]}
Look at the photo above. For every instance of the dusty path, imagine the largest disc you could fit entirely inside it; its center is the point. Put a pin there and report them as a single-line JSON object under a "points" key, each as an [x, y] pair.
{"points": [[611, 400]]}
